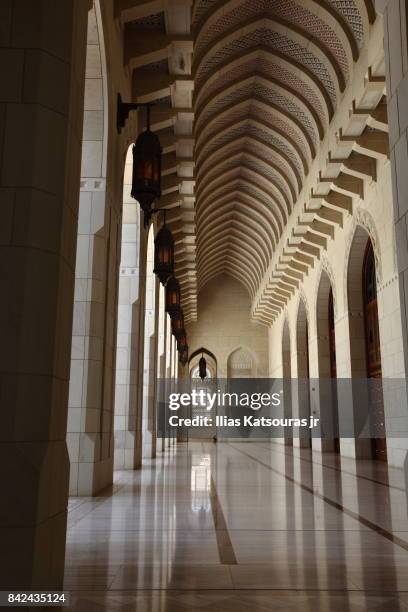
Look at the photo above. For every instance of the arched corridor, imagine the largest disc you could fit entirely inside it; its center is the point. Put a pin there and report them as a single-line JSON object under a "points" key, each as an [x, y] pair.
{"points": [[203, 204]]}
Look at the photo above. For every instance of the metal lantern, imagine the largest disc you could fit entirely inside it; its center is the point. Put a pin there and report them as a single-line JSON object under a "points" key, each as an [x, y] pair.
{"points": [[202, 368], [146, 169], [177, 325], [182, 343], [173, 296], [184, 357], [164, 253]]}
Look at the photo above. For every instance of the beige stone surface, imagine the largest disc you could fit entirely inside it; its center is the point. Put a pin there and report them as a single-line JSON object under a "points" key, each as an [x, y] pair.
{"points": [[224, 325], [285, 149], [37, 275]]}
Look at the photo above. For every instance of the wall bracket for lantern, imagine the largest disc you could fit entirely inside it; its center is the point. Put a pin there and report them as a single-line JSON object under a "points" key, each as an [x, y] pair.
{"points": [[124, 108], [164, 209]]}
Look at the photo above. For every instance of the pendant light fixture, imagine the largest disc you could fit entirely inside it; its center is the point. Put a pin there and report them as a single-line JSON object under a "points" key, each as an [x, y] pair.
{"points": [[146, 179], [184, 357], [177, 325], [202, 367], [164, 253], [182, 343], [173, 296]]}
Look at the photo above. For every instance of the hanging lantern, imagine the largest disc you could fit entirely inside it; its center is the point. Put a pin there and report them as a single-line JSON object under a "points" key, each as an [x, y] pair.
{"points": [[202, 368], [146, 169], [164, 253], [184, 357], [173, 296], [177, 325], [182, 343]]}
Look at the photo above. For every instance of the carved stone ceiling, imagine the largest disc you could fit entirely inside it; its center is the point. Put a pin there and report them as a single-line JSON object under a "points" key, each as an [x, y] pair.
{"points": [[268, 78], [246, 91]]}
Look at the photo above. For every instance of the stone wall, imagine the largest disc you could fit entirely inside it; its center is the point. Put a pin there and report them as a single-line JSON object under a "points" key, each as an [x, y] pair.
{"points": [[224, 325], [341, 265]]}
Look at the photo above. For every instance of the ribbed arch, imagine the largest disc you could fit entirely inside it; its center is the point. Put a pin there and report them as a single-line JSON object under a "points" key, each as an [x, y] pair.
{"points": [[236, 235], [268, 77], [274, 34], [269, 213], [296, 152], [250, 146], [276, 189], [232, 267], [266, 60], [285, 104], [256, 161], [267, 171], [304, 17], [284, 97], [254, 230]]}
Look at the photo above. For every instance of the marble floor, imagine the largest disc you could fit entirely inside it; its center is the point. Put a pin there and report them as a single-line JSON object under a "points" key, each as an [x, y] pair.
{"points": [[232, 527]]}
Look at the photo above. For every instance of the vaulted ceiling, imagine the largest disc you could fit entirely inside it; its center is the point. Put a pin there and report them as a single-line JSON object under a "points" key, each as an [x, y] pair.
{"points": [[268, 78], [247, 93]]}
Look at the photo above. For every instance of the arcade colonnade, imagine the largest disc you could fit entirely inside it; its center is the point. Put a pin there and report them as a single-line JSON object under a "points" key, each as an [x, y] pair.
{"points": [[83, 327]]}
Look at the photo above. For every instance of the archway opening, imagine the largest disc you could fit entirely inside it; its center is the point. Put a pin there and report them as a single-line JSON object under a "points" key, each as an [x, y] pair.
{"points": [[202, 387], [365, 348], [332, 336], [287, 380], [149, 356], [241, 364], [302, 353], [373, 350], [372, 332], [326, 351]]}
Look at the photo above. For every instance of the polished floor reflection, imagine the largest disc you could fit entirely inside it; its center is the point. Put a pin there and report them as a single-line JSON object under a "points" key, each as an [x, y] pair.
{"points": [[242, 526]]}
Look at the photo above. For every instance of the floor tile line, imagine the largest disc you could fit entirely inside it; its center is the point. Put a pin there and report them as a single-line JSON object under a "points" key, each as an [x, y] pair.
{"points": [[224, 544], [225, 548], [77, 521], [332, 467], [209, 531], [246, 589], [366, 522]]}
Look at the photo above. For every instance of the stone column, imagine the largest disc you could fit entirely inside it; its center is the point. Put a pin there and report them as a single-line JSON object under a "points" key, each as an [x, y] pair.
{"points": [[176, 385], [161, 355], [174, 363], [316, 391], [42, 60], [127, 356], [395, 14], [141, 343], [169, 362], [91, 466], [150, 336], [166, 365]]}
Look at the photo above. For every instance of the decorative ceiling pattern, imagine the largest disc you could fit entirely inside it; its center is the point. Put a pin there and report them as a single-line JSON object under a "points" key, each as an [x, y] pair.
{"points": [[288, 104], [268, 78], [254, 134], [271, 69], [153, 22], [158, 52], [287, 11], [291, 49], [348, 11]]}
